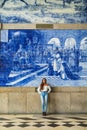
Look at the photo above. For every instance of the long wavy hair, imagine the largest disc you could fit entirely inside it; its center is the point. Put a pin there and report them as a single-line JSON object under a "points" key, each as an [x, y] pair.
{"points": [[42, 83]]}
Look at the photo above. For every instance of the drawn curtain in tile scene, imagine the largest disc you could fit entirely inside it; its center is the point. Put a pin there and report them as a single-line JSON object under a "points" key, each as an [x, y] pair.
{"points": [[43, 11], [26, 56]]}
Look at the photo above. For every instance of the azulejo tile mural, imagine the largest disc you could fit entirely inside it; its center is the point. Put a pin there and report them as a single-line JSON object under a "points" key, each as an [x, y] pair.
{"points": [[26, 56], [43, 11]]}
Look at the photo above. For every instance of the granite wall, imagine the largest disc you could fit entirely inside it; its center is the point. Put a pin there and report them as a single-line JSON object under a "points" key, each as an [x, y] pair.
{"points": [[27, 100]]}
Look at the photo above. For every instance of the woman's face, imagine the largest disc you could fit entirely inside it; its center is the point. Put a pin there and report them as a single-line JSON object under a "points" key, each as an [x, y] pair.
{"points": [[44, 81]]}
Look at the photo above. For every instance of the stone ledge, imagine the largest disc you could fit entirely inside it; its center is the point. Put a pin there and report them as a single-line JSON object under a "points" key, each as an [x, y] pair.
{"points": [[42, 26], [34, 89], [17, 89]]}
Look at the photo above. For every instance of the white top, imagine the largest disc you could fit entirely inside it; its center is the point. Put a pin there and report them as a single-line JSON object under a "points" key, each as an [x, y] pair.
{"points": [[45, 89]]}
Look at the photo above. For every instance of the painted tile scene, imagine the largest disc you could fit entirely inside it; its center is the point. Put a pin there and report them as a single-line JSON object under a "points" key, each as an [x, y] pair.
{"points": [[43, 11], [26, 56]]}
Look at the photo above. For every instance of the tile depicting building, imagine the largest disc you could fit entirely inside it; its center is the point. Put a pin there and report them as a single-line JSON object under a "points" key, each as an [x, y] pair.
{"points": [[26, 56], [43, 11]]}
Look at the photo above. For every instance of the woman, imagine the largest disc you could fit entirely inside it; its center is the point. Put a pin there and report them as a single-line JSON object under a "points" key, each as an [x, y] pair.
{"points": [[43, 90]]}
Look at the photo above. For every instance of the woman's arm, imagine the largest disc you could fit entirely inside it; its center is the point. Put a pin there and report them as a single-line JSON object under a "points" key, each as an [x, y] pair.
{"points": [[49, 89], [38, 90]]}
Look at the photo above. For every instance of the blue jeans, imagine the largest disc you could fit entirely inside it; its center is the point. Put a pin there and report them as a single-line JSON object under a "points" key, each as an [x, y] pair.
{"points": [[44, 101]]}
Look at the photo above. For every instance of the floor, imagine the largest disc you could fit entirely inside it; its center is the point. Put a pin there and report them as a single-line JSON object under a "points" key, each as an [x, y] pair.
{"points": [[49, 122]]}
